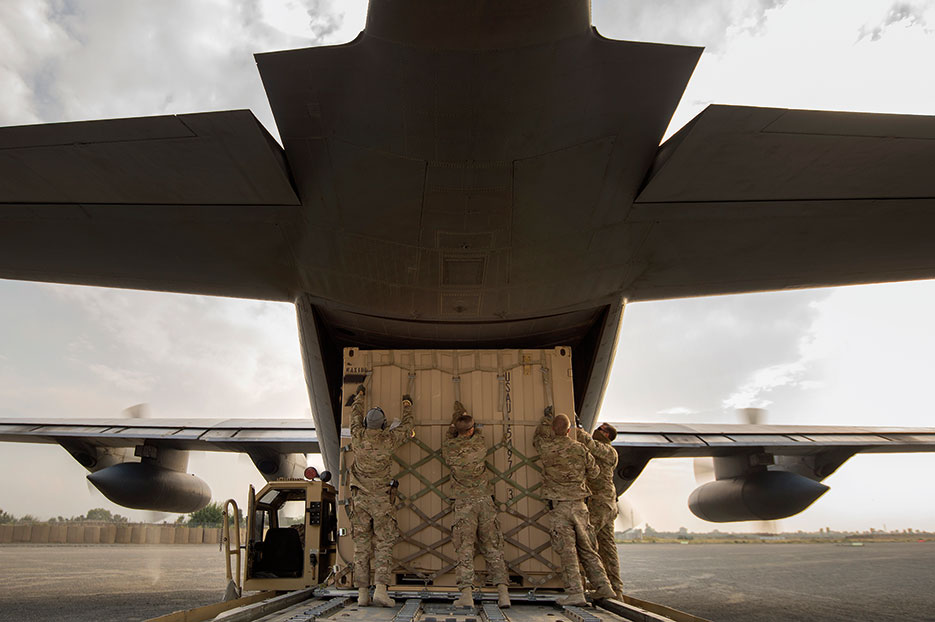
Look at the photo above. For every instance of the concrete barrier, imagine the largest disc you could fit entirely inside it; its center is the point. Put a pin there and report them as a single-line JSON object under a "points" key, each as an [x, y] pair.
{"points": [[58, 534], [75, 534], [108, 534], [21, 533], [81, 533], [40, 533]]}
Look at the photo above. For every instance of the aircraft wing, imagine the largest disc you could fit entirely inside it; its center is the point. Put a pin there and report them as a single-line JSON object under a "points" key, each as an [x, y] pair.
{"points": [[671, 440], [189, 203], [751, 199], [281, 436], [299, 436], [741, 451]]}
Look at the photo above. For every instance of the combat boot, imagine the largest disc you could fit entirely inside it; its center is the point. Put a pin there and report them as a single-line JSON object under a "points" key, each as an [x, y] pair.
{"points": [[363, 596], [380, 597], [605, 592], [466, 599], [574, 598], [503, 596]]}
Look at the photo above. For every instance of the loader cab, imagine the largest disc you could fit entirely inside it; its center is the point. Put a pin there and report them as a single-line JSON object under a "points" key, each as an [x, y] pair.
{"points": [[291, 535]]}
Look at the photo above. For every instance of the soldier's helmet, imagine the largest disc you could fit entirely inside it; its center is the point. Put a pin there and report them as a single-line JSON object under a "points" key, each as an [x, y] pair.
{"points": [[376, 419]]}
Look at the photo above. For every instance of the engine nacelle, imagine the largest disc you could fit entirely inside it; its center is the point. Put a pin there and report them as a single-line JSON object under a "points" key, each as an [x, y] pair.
{"points": [[762, 495], [147, 486], [273, 465]]}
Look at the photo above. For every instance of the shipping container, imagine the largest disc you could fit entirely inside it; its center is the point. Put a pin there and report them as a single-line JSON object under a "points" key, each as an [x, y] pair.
{"points": [[506, 391]]}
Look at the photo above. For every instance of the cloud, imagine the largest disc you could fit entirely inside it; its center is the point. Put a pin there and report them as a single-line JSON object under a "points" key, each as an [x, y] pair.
{"points": [[151, 58], [677, 411], [694, 352], [86, 352], [123, 379], [905, 14], [816, 54], [687, 22], [751, 394], [205, 354]]}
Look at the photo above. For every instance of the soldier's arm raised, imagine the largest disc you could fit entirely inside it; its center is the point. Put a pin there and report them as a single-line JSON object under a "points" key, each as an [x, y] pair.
{"points": [[605, 453], [583, 437], [459, 410], [544, 429], [447, 444], [404, 431], [357, 412], [591, 468]]}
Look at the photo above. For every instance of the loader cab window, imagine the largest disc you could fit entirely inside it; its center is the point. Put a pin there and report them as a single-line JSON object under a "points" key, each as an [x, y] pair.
{"points": [[278, 537]]}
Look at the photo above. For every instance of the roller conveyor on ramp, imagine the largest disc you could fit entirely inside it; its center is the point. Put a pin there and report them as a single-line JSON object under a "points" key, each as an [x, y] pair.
{"points": [[426, 606]]}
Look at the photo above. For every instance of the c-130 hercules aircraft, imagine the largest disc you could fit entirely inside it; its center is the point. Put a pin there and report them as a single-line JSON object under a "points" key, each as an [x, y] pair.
{"points": [[470, 175]]}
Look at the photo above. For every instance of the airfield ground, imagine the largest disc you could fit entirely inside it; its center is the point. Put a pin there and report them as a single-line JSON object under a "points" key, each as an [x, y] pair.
{"points": [[724, 582]]}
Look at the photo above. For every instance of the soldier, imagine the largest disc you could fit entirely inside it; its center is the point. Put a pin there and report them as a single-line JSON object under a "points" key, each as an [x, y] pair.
{"points": [[475, 516], [602, 504], [373, 516], [566, 467]]}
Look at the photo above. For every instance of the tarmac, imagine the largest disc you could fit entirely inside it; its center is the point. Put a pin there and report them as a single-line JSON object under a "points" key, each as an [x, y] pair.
{"points": [[721, 582], [786, 582]]}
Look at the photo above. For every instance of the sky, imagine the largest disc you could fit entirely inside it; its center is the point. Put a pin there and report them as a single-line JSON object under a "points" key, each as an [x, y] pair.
{"points": [[843, 356]]}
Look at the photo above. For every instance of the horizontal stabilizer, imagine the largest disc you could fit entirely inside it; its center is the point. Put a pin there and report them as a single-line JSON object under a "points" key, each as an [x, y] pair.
{"points": [[191, 203], [752, 199]]}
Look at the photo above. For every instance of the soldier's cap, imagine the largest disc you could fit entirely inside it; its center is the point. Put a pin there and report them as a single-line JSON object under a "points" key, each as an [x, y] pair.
{"points": [[375, 419]]}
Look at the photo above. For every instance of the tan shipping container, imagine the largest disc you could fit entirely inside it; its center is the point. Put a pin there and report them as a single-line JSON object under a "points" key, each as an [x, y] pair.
{"points": [[506, 391]]}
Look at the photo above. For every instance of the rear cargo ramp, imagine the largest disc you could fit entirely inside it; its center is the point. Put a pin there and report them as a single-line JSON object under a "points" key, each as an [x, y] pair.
{"points": [[506, 392]]}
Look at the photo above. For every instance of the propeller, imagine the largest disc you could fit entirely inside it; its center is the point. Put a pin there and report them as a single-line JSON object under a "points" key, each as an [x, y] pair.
{"points": [[137, 411], [704, 467], [704, 470], [627, 516]]}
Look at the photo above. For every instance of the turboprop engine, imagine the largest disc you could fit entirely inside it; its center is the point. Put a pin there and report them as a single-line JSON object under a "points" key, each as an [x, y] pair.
{"points": [[156, 482], [758, 495], [273, 465], [759, 486], [148, 486]]}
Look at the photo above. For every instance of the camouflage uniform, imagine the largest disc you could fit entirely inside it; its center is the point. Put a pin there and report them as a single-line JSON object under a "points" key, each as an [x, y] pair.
{"points": [[475, 516], [373, 517], [602, 505], [566, 467]]}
